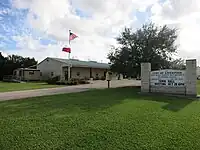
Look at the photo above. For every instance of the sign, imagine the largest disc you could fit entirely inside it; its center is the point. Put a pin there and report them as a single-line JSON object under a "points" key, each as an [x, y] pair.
{"points": [[168, 77]]}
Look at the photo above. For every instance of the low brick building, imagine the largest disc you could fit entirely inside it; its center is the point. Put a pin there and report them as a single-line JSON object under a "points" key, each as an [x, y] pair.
{"points": [[26, 74], [51, 67]]}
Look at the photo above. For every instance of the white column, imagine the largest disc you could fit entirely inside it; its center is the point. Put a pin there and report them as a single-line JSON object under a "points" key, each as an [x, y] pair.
{"points": [[69, 72], [61, 74], [145, 77], [191, 77]]}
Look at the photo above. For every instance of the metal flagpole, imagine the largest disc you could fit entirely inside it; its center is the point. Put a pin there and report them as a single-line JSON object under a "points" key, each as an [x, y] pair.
{"points": [[69, 71]]}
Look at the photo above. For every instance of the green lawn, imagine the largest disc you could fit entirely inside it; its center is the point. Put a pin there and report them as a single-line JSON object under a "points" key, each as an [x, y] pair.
{"points": [[198, 87], [6, 86], [100, 119]]}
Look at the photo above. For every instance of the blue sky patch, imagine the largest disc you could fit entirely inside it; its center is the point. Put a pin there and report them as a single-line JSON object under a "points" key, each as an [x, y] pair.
{"points": [[82, 14], [14, 24], [47, 41]]}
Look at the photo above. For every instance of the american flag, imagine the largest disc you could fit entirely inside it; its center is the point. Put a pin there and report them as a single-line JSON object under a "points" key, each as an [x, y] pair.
{"points": [[72, 36]]}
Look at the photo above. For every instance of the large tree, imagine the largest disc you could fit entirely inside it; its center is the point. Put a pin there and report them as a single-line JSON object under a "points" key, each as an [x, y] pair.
{"points": [[2, 61], [148, 44], [178, 64], [11, 62]]}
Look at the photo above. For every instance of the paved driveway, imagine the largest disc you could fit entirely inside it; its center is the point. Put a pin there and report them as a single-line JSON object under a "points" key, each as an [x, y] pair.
{"points": [[67, 89]]}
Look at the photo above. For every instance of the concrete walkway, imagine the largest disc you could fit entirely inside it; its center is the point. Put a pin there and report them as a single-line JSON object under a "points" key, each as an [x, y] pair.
{"points": [[67, 89]]}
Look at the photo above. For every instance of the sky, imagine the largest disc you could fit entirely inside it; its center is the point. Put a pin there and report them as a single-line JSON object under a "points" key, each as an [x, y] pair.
{"points": [[40, 28]]}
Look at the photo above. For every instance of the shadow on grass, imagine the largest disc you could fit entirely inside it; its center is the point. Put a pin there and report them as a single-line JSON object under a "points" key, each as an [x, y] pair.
{"points": [[173, 103], [88, 101]]}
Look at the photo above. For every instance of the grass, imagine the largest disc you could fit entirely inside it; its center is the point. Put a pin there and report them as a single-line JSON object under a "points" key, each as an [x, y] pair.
{"points": [[100, 119], [7, 87], [198, 87]]}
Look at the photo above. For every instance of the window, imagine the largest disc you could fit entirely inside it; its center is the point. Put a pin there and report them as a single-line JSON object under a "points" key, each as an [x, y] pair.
{"points": [[78, 74], [51, 73], [31, 72], [97, 76], [40, 73]]}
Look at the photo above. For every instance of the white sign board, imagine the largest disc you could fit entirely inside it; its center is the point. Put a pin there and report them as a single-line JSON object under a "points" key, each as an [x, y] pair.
{"points": [[168, 77]]}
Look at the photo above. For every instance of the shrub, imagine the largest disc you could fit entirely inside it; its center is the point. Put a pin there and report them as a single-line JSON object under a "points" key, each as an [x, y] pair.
{"points": [[103, 78], [86, 78], [96, 78], [53, 80], [72, 82], [82, 81], [60, 83]]}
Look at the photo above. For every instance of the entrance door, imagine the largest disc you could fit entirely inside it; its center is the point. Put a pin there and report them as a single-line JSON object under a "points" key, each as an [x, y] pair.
{"points": [[66, 75], [104, 74]]}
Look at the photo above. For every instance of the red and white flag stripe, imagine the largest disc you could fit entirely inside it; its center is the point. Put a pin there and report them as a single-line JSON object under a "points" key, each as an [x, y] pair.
{"points": [[72, 36]]}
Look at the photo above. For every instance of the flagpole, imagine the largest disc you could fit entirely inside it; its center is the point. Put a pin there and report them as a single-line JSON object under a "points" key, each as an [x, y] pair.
{"points": [[69, 71]]}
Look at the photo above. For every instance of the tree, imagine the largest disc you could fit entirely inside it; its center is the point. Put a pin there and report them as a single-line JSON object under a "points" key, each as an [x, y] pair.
{"points": [[13, 62], [148, 44], [178, 64], [2, 61]]}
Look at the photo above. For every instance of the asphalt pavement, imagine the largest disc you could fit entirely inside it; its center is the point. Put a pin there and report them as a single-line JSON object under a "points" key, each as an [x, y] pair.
{"points": [[67, 89]]}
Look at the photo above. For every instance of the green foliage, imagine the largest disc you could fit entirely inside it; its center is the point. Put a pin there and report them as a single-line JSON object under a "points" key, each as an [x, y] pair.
{"points": [[100, 119], [149, 44], [178, 64], [53, 80], [2, 61], [83, 81], [12, 62], [72, 81]]}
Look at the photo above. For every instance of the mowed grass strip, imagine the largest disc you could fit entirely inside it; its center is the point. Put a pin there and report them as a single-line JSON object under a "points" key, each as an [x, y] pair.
{"points": [[100, 119], [8, 86]]}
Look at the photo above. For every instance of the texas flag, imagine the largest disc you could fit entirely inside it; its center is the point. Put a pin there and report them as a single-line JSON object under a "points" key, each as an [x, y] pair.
{"points": [[66, 49]]}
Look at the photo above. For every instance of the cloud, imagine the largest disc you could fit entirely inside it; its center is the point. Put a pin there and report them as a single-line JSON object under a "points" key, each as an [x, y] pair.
{"points": [[96, 23], [184, 15]]}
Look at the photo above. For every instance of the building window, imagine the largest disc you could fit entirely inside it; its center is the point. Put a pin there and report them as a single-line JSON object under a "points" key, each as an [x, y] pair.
{"points": [[40, 73], [31, 72], [51, 73], [78, 74]]}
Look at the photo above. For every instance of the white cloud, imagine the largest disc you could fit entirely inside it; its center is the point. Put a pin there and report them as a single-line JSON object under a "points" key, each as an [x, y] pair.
{"points": [[96, 33], [5, 11], [3, 53], [103, 21], [185, 15]]}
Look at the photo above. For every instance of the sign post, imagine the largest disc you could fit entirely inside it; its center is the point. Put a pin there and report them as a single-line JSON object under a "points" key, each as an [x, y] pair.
{"points": [[109, 78]]}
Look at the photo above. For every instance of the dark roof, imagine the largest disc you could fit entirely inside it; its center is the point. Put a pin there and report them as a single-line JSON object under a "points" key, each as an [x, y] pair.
{"points": [[28, 69], [80, 63]]}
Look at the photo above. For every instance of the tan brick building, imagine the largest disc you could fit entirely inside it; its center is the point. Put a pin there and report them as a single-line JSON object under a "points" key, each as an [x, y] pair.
{"points": [[26, 74], [51, 67]]}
